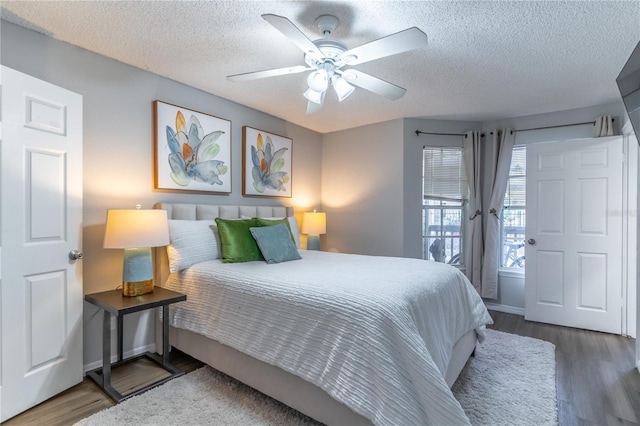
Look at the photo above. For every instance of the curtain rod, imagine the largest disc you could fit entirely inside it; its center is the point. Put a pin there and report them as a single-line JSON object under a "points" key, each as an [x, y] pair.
{"points": [[559, 125], [420, 132]]}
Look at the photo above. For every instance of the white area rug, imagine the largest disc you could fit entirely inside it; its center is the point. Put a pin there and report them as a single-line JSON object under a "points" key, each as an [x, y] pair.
{"points": [[510, 381]]}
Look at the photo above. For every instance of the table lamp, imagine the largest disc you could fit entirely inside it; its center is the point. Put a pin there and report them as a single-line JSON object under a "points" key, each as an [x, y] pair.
{"points": [[314, 224], [136, 231]]}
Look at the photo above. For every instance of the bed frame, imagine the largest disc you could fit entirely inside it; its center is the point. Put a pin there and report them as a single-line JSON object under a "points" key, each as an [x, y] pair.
{"points": [[283, 386]]}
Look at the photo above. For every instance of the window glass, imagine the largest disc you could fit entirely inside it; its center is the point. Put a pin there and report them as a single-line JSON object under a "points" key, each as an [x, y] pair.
{"points": [[513, 219]]}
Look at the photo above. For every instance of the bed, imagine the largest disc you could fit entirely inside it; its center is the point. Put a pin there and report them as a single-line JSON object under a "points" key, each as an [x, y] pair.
{"points": [[340, 344]]}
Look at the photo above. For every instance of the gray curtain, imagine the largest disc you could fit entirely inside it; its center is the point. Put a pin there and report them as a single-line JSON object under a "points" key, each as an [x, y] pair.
{"points": [[603, 126], [502, 148], [473, 226]]}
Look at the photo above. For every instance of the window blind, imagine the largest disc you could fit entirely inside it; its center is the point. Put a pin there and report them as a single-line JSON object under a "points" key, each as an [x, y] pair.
{"points": [[444, 174]]}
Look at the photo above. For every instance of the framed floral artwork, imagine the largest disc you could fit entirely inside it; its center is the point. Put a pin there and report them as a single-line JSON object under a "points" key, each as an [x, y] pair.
{"points": [[192, 150], [266, 163]]}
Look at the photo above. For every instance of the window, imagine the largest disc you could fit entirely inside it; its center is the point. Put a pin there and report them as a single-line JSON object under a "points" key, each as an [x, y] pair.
{"points": [[445, 191], [514, 216]]}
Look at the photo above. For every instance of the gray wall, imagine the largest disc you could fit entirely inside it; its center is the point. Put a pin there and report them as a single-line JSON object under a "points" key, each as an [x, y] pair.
{"points": [[372, 185], [362, 189], [118, 151]]}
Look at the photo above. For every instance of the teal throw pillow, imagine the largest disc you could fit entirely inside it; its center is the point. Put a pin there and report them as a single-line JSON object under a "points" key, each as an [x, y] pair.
{"points": [[236, 242], [272, 222], [275, 243]]}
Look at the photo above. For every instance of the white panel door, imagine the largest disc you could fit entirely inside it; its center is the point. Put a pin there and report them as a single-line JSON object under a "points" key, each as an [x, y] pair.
{"points": [[574, 232], [41, 224]]}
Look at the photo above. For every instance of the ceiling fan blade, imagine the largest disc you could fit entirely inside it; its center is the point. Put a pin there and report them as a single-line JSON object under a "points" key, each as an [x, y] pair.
{"points": [[267, 73], [313, 107], [292, 32], [373, 84], [409, 39]]}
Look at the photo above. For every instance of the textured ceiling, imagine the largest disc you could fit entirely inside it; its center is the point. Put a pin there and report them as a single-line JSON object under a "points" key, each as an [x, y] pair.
{"points": [[483, 61]]}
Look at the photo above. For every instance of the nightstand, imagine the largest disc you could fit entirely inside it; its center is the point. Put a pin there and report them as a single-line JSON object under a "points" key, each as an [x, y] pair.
{"points": [[114, 303]]}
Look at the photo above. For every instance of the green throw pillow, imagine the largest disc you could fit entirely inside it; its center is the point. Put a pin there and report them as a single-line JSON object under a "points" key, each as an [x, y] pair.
{"points": [[275, 244], [236, 242], [272, 222]]}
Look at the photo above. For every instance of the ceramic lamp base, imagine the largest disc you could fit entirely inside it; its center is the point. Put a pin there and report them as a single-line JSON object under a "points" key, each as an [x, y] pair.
{"points": [[137, 273], [313, 242]]}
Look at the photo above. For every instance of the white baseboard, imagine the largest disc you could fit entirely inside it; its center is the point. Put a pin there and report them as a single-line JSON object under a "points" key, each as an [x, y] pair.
{"points": [[125, 355], [505, 308]]}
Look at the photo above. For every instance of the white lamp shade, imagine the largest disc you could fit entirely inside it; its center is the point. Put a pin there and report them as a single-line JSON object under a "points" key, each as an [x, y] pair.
{"points": [[136, 229], [314, 96], [314, 223], [318, 80], [342, 88]]}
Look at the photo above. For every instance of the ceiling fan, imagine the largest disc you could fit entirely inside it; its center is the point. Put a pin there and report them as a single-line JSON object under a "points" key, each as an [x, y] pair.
{"points": [[329, 57]]}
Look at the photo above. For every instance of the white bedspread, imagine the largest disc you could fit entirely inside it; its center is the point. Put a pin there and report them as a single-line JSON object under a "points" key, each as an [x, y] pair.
{"points": [[373, 332]]}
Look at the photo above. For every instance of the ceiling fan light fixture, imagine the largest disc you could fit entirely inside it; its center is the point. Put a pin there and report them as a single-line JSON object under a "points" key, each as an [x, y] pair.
{"points": [[342, 88], [326, 57], [318, 80], [314, 96]]}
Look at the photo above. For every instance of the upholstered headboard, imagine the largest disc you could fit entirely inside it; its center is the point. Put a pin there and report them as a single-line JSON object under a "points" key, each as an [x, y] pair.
{"points": [[207, 212]]}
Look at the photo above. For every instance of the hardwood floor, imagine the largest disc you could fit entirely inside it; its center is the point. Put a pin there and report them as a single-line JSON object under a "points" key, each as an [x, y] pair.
{"points": [[87, 398], [597, 383], [596, 379]]}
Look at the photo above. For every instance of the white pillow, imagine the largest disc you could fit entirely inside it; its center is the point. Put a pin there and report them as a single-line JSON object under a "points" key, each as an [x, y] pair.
{"points": [[293, 224], [191, 242]]}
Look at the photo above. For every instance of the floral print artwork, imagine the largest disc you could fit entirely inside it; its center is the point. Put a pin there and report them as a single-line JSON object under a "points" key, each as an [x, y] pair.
{"points": [[193, 153], [267, 166]]}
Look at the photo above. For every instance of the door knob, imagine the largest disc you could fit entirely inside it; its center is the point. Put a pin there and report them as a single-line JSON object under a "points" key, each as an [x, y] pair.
{"points": [[75, 255], [531, 241]]}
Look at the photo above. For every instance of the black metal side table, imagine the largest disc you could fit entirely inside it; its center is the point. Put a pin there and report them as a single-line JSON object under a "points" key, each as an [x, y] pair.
{"points": [[114, 303]]}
